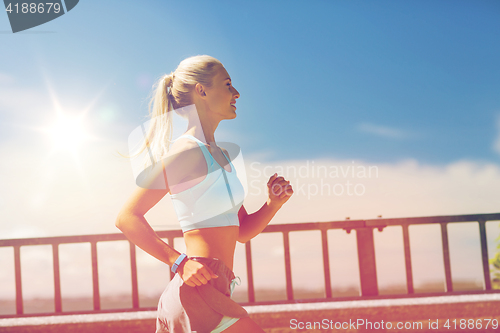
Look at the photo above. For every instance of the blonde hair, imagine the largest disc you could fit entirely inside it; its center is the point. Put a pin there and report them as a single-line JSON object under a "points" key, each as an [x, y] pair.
{"points": [[173, 91]]}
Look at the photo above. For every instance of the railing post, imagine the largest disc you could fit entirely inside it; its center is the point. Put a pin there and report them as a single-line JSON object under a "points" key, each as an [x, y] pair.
{"points": [[326, 263], [251, 290], [288, 266], [95, 276], [409, 273], [446, 256], [484, 254], [366, 260], [19, 285], [133, 271], [57, 278]]}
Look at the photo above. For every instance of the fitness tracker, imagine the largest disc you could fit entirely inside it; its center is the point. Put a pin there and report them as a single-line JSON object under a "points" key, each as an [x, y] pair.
{"points": [[179, 261]]}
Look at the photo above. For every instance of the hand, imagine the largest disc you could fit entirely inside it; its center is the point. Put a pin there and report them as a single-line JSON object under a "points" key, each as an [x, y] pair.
{"points": [[194, 273], [279, 190]]}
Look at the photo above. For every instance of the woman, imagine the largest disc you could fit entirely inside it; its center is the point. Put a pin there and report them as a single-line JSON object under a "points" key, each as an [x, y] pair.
{"points": [[207, 197]]}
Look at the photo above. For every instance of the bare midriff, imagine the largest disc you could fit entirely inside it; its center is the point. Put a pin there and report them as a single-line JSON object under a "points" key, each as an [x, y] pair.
{"points": [[218, 242]]}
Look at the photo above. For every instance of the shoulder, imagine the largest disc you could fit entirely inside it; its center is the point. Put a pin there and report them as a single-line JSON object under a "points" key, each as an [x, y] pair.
{"points": [[183, 144], [185, 161], [184, 152]]}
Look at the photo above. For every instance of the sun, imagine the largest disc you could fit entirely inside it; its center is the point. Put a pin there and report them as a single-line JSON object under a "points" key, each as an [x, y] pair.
{"points": [[67, 132]]}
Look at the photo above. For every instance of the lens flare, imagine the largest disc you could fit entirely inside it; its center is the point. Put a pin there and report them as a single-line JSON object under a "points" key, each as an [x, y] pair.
{"points": [[67, 133]]}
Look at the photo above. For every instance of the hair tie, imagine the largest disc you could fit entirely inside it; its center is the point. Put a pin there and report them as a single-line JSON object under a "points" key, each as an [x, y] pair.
{"points": [[168, 87], [171, 82]]}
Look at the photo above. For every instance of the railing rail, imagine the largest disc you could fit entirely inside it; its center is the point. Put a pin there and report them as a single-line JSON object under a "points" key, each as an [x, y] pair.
{"points": [[365, 245]]}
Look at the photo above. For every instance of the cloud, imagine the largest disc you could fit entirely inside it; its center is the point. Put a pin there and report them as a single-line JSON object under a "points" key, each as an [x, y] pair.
{"points": [[6, 79], [328, 189], [383, 131], [27, 105]]}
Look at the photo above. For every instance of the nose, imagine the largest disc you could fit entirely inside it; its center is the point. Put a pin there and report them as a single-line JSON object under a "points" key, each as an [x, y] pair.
{"points": [[236, 94]]}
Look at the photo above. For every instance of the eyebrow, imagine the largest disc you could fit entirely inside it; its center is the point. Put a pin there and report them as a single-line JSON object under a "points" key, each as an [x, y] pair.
{"points": [[227, 78]]}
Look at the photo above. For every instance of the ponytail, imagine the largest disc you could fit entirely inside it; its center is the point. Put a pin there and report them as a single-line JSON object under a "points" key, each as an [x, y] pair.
{"points": [[160, 107]]}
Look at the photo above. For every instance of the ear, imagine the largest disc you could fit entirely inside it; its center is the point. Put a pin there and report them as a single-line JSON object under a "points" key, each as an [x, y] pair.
{"points": [[200, 90]]}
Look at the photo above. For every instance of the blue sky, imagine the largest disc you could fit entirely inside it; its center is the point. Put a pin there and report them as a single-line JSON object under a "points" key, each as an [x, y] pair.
{"points": [[367, 80], [408, 86], [411, 87]]}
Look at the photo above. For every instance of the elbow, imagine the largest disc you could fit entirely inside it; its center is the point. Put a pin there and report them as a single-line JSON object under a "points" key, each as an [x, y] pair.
{"points": [[122, 221], [240, 239], [243, 238], [119, 221]]}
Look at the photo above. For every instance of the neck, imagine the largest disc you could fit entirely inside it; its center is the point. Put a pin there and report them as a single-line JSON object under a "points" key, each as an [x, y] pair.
{"points": [[200, 125]]}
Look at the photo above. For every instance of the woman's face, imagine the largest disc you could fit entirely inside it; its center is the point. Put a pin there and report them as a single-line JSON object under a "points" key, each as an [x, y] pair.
{"points": [[221, 96]]}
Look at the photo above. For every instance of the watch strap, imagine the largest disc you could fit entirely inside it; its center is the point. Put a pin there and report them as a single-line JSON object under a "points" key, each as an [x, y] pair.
{"points": [[177, 262]]}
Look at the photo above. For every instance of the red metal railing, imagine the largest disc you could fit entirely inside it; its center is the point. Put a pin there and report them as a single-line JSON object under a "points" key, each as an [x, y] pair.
{"points": [[365, 245]]}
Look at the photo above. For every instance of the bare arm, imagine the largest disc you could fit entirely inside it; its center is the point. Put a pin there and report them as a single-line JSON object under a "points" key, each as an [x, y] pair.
{"points": [[132, 223], [251, 225]]}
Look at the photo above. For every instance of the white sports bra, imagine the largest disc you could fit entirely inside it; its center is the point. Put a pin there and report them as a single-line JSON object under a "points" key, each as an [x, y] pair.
{"points": [[215, 201]]}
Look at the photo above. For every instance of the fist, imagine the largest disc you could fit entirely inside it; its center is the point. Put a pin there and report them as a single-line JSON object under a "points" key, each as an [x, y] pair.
{"points": [[194, 273], [279, 190]]}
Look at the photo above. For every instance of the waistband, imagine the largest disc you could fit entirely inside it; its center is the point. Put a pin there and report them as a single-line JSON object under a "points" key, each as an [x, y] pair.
{"points": [[216, 265]]}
